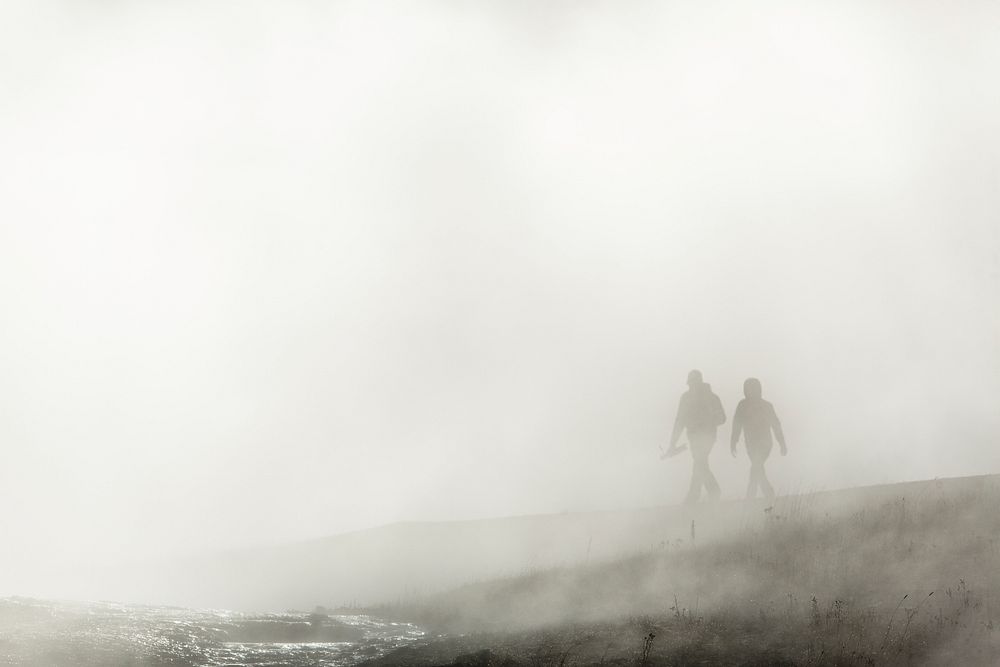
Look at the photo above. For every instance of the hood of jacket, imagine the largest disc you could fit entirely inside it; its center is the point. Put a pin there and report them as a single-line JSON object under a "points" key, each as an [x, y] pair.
{"points": [[752, 388]]}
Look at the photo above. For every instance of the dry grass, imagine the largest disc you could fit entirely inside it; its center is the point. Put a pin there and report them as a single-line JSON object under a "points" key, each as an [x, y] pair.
{"points": [[906, 579]]}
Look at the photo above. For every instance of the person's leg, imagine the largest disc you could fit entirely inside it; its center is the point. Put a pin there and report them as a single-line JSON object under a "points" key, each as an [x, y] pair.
{"points": [[703, 444], [758, 455], [765, 485], [694, 491], [698, 467], [752, 484], [711, 484]]}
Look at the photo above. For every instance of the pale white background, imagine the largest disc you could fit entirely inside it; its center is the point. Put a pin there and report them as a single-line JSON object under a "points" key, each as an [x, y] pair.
{"points": [[279, 270]]}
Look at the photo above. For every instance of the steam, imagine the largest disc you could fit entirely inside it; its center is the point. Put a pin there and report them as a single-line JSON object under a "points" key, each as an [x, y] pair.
{"points": [[272, 272]]}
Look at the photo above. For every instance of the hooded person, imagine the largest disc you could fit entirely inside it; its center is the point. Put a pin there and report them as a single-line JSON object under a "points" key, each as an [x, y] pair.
{"points": [[699, 414], [756, 419]]}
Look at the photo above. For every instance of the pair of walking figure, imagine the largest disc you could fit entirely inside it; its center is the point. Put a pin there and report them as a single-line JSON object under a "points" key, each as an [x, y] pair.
{"points": [[700, 414]]}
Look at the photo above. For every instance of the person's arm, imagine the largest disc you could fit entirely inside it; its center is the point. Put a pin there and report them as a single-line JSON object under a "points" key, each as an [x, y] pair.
{"points": [[778, 433], [720, 412], [737, 428], [680, 421]]}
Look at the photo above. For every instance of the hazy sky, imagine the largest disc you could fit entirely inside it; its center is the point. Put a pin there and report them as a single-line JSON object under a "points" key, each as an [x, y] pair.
{"points": [[278, 270]]}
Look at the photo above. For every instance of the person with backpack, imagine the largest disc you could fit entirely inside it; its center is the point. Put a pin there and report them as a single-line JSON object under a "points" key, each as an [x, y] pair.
{"points": [[700, 414], [755, 418]]}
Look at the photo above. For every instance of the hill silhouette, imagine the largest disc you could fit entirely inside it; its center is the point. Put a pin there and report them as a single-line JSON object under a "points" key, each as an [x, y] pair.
{"points": [[407, 562], [897, 575]]}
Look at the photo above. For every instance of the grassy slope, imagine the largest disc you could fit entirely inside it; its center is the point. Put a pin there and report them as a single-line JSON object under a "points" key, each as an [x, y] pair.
{"points": [[908, 574], [386, 563]]}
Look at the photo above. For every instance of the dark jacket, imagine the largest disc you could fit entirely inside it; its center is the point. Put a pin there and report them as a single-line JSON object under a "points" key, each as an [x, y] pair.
{"points": [[700, 411], [756, 418]]}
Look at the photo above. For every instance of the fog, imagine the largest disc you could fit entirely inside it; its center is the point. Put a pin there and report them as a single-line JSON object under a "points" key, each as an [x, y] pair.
{"points": [[274, 271]]}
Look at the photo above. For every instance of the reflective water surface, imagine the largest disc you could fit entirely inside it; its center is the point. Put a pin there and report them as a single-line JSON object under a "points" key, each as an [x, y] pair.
{"points": [[39, 632]]}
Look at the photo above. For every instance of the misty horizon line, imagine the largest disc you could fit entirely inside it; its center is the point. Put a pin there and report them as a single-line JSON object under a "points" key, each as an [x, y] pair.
{"points": [[734, 500]]}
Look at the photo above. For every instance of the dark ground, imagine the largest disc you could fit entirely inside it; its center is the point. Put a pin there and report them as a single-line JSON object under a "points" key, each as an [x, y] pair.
{"points": [[909, 576]]}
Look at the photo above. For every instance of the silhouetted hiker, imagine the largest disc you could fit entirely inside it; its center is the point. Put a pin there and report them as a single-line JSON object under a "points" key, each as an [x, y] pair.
{"points": [[700, 413], [755, 419]]}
